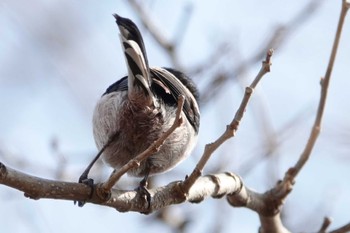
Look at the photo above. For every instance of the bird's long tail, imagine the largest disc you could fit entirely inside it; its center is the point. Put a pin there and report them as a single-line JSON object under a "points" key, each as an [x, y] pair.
{"points": [[139, 80]]}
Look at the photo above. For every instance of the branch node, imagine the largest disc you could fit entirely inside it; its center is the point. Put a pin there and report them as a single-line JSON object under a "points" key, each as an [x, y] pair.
{"points": [[321, 81], [267, 63], [249, 90], [102, 193], [190, 180], [346, 4], [231, 128], [135, 163]]}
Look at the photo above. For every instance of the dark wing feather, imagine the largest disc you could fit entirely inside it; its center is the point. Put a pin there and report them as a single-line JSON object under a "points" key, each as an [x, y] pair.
{"points": [[177, 87], [120, 85]]}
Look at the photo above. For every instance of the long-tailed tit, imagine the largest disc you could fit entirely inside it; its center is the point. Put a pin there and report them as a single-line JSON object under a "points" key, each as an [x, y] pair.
{"points": [[136, 110]]}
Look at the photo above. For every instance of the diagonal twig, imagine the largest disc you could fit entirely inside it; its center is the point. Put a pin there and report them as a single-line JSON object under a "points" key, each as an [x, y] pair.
{"points": [[343, 229], [274, 198], [106, 187], [230, 129], [293, 172], [326, 222]]}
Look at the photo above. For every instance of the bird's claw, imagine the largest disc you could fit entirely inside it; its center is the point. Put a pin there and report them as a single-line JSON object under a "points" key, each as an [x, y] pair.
{"points": [[143, 191], [89, 182]]}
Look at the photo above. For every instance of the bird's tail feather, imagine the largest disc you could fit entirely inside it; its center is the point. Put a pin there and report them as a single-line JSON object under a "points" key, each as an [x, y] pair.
{"points": [[139, 80]]}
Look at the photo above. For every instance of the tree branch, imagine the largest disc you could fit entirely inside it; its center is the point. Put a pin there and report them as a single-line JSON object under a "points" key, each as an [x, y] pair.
{"points": [[284, 187], [231, 128], [273, 199], [36, 188], [324, 90], [343, 229], [326, 222]]}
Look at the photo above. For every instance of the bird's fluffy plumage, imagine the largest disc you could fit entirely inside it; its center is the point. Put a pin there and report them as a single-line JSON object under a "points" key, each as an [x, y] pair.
{"points": [[140, 107]]}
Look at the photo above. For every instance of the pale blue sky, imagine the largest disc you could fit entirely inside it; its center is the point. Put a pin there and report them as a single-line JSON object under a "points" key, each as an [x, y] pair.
{"points": [[57, 58]]}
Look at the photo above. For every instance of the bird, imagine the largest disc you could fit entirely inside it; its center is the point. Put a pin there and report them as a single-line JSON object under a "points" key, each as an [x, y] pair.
{"points": [[136, 110]]}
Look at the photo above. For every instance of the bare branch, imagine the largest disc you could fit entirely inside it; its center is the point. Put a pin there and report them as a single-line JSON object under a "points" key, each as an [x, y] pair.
{"points": [[324, 89], [36, 188], [33, 187], [273, 199], [231, 128], [326, 222], [343, 229]]}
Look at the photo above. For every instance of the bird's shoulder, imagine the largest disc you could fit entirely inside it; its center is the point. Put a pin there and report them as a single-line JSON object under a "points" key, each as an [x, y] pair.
{"points": [[120, 85]]}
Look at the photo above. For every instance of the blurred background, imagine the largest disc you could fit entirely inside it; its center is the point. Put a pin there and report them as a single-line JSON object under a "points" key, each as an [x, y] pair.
{"points": [[58, 57]]}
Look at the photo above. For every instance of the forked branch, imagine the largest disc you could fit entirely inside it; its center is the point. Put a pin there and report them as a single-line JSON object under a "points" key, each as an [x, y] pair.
{"points": [[272, 200], [284, 187]]}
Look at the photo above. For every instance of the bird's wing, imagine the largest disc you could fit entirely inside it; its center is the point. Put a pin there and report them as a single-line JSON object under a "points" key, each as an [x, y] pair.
{"points": [[174, 87], [120, 85]]}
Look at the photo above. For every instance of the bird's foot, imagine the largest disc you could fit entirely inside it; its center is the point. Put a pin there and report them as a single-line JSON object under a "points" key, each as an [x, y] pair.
{"points": [[143, 191], [89, 182]]}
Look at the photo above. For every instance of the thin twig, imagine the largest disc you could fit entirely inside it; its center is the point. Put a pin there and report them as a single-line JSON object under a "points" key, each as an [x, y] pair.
{"points": [[343, 229], [275, 197], [324, 89], [154, 147], [230, 129], [326, 222]]}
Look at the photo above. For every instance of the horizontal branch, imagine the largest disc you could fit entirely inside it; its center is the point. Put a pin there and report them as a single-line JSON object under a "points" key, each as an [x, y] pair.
{"points": [[216, 186]]}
